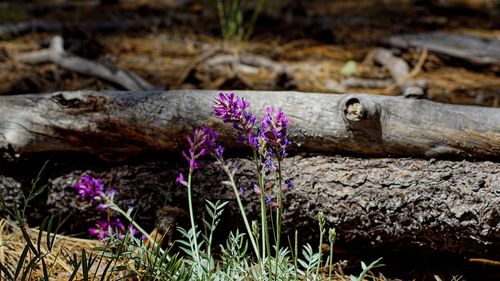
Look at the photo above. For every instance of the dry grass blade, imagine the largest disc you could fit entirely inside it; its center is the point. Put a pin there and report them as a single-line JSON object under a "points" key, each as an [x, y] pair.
{"points": [[12, 244]]}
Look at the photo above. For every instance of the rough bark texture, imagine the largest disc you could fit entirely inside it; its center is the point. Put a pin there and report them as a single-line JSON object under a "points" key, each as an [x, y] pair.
{"points": [[141, 122], [395, 204]]}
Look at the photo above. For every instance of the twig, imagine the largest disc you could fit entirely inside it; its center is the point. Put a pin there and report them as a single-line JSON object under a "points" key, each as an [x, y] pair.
{"points": [[366, 83], [400, 70], [57, 55]]}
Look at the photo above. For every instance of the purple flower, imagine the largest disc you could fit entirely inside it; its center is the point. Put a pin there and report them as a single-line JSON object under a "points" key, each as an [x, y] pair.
{"points": [[219, 151], [201, 142], [104, 229], [274, 127], [256, 189], [133, 231], [233, 109], [288, 185], [180, 178], [102, 207], [270, 201], [89, 188]]}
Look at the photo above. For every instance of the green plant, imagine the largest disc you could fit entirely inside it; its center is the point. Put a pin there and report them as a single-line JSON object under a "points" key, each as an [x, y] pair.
{"points": [[235, 24]]}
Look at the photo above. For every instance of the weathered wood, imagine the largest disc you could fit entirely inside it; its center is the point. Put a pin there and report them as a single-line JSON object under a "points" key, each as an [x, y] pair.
{"points": [[470, 48], [399, 69], [57, 55], [398, 204], [142, 122]]}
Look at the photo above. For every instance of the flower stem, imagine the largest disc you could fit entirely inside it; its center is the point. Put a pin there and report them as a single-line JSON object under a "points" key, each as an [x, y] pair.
{"points": [[331, 262], [278, 214], [320, 252], [242, 210], [191, 214], [113, 206]]}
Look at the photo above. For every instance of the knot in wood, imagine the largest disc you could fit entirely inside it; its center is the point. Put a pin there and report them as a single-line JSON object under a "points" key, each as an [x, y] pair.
{"points": [[354, 110]]}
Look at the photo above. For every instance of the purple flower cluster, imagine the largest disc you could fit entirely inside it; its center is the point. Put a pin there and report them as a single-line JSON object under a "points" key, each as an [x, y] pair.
{"points": [[201, 142], [271, 137], [274, 127], [233, 109], [89, 188], [93, 189], [104, 229]]}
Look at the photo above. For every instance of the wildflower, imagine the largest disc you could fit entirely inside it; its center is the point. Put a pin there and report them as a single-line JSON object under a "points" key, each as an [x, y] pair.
{"points": [[133, 231], [104, 229], [201, 142], [112, 228], [233, 109], [256, 189], [270, 201], [288, 185], [89, 188], [219, 151], [180, 179], [274, 128]]}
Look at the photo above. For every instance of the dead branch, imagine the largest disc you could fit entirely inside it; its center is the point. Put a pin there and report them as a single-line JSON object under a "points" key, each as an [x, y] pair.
{"points": [[57, 55], [473, 49], [399, 69]]}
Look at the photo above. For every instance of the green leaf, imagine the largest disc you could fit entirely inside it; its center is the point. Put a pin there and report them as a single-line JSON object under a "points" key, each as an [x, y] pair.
{"points": [[350, 68], [20, 262]]}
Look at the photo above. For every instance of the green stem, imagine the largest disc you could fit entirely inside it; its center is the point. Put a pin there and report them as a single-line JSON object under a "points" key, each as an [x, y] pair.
{"points": [[242, 210], [331, 262], [296, 255], [322, 232], [265, 231], [191, 214], [278, 214], [137, 226]]}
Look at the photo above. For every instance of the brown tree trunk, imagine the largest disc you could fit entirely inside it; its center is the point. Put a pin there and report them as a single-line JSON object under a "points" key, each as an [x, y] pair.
{"points": [[399, 204], [141, 122]]}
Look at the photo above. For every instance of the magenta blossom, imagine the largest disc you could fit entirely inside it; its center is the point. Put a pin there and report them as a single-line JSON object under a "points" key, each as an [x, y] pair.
{"points": [[89, 188], [201, 142], [274, 129], [233, 109], [115, 228], [104, 229], [270, 201]]}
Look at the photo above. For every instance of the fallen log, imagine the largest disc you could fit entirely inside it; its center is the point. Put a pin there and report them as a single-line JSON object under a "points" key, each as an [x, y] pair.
{"points": [[473, 49], [142, 122], [395, 204]]}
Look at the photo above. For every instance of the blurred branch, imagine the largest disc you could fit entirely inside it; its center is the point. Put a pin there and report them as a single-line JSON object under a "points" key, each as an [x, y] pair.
{"points": [[57, 55]]}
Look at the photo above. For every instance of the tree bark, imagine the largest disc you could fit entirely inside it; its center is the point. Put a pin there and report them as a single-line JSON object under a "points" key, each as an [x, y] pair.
{"points": [[142, 122], [392, 204]]}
